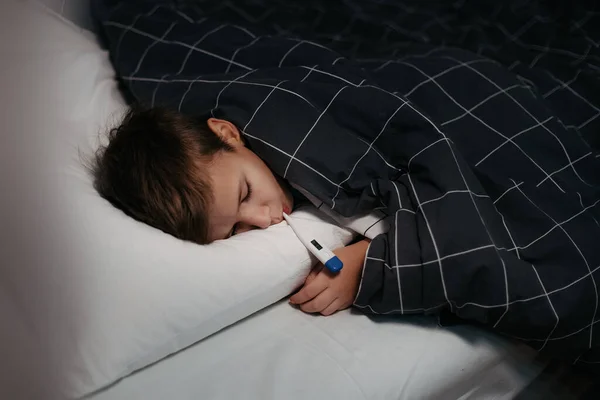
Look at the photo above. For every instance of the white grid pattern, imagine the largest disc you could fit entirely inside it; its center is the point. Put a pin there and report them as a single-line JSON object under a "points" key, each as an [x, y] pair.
{"points": [[560, 226], [480, 120], [492, 231]]}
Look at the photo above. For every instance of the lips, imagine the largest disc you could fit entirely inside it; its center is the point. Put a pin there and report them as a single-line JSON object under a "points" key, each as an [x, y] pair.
{"points": [[286, 209]]}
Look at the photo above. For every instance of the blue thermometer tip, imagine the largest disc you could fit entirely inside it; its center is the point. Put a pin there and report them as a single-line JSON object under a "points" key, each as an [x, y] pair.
{"points": [[334, 264]]}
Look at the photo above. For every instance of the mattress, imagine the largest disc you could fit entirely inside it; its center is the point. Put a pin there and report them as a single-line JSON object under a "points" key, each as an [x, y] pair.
{"points": [[282, 353]]}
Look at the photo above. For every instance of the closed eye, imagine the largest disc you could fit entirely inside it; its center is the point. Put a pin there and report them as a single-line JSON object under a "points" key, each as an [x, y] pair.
{"points": [[246, 198], [248, 193]]}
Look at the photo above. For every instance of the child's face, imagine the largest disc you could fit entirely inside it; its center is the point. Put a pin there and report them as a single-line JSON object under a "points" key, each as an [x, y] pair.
{"points": [[247, 194]]}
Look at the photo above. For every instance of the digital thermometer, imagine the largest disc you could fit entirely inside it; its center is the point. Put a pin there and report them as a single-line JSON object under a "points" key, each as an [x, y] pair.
{"points": [[323, 254]]}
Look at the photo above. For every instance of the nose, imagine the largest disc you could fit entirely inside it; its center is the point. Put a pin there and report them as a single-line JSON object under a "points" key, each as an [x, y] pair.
{"points": [[257, 217]]}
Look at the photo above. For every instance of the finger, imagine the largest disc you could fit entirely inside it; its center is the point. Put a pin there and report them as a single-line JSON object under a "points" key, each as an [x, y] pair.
{"points": [[310, 290], [313, 274], [319, 303], [334, 307]]}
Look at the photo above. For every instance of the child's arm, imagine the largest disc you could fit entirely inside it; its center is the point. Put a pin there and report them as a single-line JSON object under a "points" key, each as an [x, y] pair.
{"points": [[326, 293]]}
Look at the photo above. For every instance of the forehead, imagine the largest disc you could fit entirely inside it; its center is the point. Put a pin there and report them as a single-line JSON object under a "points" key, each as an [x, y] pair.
{"points": [[226, 178]]}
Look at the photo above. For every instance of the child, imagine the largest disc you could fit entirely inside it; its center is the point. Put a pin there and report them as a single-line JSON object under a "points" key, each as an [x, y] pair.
{"points": [[194, 178]]}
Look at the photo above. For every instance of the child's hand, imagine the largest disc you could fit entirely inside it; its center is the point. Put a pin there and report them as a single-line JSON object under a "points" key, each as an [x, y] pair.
{"points": [[326, 293]]}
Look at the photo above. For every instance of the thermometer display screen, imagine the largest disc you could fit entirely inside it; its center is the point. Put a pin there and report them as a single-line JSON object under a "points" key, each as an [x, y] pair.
{"points": [[316, 244]]}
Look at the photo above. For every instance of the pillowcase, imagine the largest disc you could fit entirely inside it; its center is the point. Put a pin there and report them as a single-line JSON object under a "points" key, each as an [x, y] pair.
{"points": [[76, 11], [115, 295]]}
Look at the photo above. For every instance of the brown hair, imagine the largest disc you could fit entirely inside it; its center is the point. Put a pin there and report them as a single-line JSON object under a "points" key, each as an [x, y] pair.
{"points": [[150, 170]]}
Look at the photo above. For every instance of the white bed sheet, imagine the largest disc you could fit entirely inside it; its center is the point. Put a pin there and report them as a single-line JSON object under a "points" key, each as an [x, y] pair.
{"points": [[282, 353]]}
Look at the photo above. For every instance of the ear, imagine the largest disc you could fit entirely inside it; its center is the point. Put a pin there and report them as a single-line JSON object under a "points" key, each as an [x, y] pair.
{"points": [[227, 131]]}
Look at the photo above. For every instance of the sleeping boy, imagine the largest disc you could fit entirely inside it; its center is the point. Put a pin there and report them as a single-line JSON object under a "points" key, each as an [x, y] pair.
{"points": [[194, 178]]}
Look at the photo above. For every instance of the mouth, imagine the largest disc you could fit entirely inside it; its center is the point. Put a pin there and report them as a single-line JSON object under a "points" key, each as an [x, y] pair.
{"points": [[286, 209]]}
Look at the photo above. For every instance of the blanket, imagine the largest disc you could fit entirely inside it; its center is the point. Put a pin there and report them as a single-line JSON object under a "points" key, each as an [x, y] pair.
{"points": [[472, 126]]}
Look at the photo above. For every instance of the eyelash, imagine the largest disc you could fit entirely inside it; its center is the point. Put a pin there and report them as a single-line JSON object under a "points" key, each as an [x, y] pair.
{"points": [[244, 199], [249, 192]]}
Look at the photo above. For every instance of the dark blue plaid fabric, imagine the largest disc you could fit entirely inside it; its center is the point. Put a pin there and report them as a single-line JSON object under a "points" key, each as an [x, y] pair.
{"points": [[471, 124]]}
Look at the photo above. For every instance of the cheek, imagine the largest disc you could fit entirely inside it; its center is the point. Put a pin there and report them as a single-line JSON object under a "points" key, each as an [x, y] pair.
{"points": [[266, 186], [269, 185], [263, 173], [284, 187], [265, 182]]}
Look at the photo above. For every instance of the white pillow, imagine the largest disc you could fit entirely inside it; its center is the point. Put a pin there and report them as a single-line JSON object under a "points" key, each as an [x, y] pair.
{"points": [[76, 11], [119, 295]]}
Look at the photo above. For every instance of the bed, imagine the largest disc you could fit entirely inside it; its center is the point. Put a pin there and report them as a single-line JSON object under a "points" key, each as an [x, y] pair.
{"points": [[266, 350], [425, 134], [281, 353]]}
